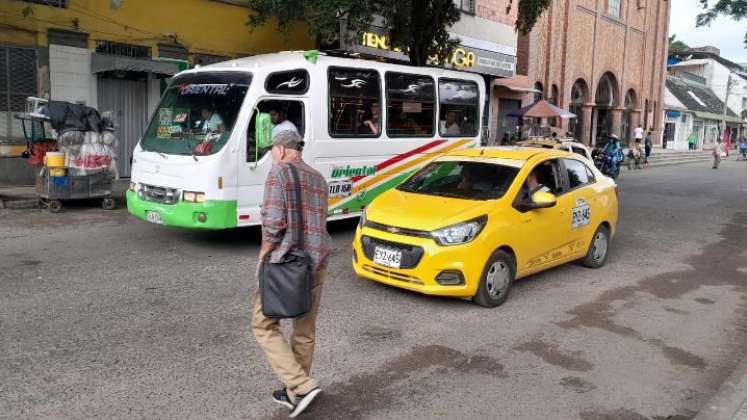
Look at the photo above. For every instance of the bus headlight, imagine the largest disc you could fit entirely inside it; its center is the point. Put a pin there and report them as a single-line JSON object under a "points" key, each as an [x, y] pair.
{"points": [[133, 186], [193, 197]]}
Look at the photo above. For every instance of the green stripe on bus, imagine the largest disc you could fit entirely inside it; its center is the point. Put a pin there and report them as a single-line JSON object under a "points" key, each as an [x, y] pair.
{"points": [[355, 205], [220, 214]]}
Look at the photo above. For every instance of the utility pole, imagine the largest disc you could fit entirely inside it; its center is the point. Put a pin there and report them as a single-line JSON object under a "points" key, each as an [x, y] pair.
{"points": [[726, 107]]}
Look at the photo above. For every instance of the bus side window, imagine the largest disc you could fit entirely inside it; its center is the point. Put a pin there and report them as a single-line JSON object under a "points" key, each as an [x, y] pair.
{"points": [[410, 105], [459, 108], [354, 102], [285, 114]]}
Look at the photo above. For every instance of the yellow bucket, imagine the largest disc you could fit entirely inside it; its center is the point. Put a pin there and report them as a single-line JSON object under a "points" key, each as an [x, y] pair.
{"points": [[56, 171], [55, 159]]}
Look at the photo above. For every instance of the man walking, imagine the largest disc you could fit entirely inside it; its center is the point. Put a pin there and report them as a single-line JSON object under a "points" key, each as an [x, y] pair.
{"points": [[717, 155], [292, 361], [647, 146]]}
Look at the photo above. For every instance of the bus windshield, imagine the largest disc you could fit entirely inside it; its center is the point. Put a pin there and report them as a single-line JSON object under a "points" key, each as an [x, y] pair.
{"points": [[197, 113]]}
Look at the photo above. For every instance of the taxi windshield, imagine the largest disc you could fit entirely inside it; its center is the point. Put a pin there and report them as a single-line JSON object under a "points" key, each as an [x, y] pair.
{"points": [[462, 179], [197, 113]]}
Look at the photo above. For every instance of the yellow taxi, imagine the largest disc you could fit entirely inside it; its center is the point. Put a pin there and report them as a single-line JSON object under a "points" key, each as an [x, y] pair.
{"points": [[471, 222]]}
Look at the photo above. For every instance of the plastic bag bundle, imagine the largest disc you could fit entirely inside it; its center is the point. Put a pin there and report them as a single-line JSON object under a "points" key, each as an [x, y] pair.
{"points": [[71, 138], [93, 155]]}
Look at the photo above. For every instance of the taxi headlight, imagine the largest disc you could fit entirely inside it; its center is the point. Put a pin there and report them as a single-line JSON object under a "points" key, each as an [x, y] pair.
{"points": [[193, 197], [460, 233]]}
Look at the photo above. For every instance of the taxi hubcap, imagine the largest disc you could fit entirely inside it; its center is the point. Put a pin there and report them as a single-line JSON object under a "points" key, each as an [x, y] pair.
{"points": [[497, 279], [600, 246]]}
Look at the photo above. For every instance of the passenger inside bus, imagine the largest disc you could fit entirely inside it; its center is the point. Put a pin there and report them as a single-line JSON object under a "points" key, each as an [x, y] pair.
{"points": [[280, 122], [373, 119], [450, 126]]}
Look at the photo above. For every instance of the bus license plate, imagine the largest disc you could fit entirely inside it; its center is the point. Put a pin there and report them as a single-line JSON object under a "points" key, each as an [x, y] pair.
{"points": [[387, 257], [154, 217]]}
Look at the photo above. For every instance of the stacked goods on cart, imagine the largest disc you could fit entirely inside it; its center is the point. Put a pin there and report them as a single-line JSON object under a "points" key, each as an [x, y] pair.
{"points": [[85, 137]]}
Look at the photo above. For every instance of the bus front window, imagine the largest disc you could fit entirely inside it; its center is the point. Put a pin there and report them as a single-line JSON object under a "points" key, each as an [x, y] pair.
{"points": [[196, 114]]}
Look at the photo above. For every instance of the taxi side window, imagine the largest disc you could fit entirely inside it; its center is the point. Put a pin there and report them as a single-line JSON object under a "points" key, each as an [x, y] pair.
{"points": [[548, 176], [578, 173]]}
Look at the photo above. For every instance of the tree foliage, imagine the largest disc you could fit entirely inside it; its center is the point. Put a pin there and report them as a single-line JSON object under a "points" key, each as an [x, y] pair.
{"points": [[419, 27], [675, 45], [528, 13], [736, 9], [416, 26]]}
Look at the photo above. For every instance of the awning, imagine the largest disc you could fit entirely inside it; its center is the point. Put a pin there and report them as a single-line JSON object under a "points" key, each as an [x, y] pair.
{"points": [[541, 109], [518, 83], [105, 62], [717, 117]]}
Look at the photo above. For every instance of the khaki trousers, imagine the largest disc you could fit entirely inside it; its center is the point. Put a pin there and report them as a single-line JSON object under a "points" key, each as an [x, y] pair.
{"points": [[291, 361]]}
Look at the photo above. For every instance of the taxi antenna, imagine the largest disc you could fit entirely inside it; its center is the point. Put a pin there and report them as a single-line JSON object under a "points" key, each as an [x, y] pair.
{"points": [[482, 151]]}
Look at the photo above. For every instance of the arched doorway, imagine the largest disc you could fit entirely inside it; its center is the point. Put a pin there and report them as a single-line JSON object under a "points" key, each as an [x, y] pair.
{"points": [[627, 120], [605, 99], [579, 96]]}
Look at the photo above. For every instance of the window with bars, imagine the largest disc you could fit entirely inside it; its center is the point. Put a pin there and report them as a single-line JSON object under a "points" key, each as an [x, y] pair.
{"points": [[466, 6], [127, 50], [53, 3], [614, 7], [17, 82]]}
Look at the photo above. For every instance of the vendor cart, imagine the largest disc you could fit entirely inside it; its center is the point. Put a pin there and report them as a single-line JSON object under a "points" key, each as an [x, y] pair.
{"points": [[53, 189], [57, 181]]}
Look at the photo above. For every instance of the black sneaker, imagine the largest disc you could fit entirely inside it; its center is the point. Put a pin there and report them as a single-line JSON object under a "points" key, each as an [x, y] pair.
{"points": [[304, 401], [281, 397]]}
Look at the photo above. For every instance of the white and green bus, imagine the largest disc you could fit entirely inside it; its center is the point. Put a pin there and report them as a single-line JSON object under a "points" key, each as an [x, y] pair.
{"points": [[367, 126]]}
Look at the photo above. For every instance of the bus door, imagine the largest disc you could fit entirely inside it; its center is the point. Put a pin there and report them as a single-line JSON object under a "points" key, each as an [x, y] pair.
{"points": [[254, 164]]}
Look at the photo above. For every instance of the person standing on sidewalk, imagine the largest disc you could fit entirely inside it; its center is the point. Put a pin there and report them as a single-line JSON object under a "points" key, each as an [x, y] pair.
{"points": [[638, 135], [692, 140], [292, 361], [717, 155], [647, 145]]}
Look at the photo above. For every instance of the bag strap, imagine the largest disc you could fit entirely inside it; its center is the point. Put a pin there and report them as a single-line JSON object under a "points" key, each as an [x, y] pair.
{"points": [[299, 206]]}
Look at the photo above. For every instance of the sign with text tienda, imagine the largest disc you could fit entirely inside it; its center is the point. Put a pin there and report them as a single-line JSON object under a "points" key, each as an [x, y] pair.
{"points": [[374, 41]]}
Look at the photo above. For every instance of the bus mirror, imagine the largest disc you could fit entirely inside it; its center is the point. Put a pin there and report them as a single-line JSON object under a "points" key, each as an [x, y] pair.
{"points": [[263, 130]]}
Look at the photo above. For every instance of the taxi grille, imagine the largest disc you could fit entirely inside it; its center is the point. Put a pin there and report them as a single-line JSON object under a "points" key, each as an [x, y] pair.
{"points": [[398, 230], [392, 275], [411, 254]]}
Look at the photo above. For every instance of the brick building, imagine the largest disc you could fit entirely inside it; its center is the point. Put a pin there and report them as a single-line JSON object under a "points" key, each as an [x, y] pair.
{"points": [[604, 60]]}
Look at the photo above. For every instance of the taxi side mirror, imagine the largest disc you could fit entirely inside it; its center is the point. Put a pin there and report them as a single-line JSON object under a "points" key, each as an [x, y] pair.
{"points": [[543, 200], [539, 200]]}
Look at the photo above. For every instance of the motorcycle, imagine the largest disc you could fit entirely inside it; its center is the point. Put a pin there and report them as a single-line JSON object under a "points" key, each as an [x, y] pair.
{"points": [[608, 164]]}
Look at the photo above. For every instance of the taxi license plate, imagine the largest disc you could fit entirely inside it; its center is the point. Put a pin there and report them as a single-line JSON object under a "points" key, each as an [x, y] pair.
{"points": [[154, 217], [387, 257]]}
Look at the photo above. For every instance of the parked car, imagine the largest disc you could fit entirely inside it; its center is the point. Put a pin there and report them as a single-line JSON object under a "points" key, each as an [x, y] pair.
{"points": [[471, 222]]}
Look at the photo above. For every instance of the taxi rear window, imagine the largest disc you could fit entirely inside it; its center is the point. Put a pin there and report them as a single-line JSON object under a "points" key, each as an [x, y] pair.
{"points": [[462, 179]]}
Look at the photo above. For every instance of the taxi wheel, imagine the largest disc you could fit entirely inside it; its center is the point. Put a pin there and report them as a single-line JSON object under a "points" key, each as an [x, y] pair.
{"points": [[596, 256], [496, 280]]}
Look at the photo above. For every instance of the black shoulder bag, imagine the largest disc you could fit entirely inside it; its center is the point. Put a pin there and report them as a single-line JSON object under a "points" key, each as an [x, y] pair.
{"points": [[285, 286]]}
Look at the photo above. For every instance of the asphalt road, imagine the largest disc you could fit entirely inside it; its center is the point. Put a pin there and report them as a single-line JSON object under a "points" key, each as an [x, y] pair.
{"points": [[103, 316]]}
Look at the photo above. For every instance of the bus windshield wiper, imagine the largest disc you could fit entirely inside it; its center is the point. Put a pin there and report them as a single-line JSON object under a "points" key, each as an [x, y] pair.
{"points": [[162, 155], [189, 150]]}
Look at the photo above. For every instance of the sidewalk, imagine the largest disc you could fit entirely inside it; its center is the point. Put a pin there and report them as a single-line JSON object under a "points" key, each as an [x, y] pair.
{"points": [[24, 197], [730, 401]]}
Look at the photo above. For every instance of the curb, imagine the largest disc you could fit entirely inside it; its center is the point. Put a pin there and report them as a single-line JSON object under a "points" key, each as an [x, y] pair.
{"points": [[730, 401]]}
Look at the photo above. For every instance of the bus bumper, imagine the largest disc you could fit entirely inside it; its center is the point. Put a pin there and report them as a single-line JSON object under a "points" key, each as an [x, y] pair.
{"points": [[212, 214]]}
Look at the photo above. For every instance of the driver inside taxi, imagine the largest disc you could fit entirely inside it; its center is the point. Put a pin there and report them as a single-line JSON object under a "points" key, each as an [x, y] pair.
{"points": [[533, 185]]}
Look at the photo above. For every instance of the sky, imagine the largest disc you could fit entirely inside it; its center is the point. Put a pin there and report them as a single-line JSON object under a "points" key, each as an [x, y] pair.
{"points": [[724, 33]]}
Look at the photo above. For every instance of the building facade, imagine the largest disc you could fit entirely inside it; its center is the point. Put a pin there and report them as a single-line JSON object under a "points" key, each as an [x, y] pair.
{"points": [[603, 60], [705, 66], [113, 55]]}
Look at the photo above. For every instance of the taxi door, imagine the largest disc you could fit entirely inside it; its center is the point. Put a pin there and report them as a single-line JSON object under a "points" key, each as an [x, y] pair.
{"points": [[581, 198], [543, 232]]}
